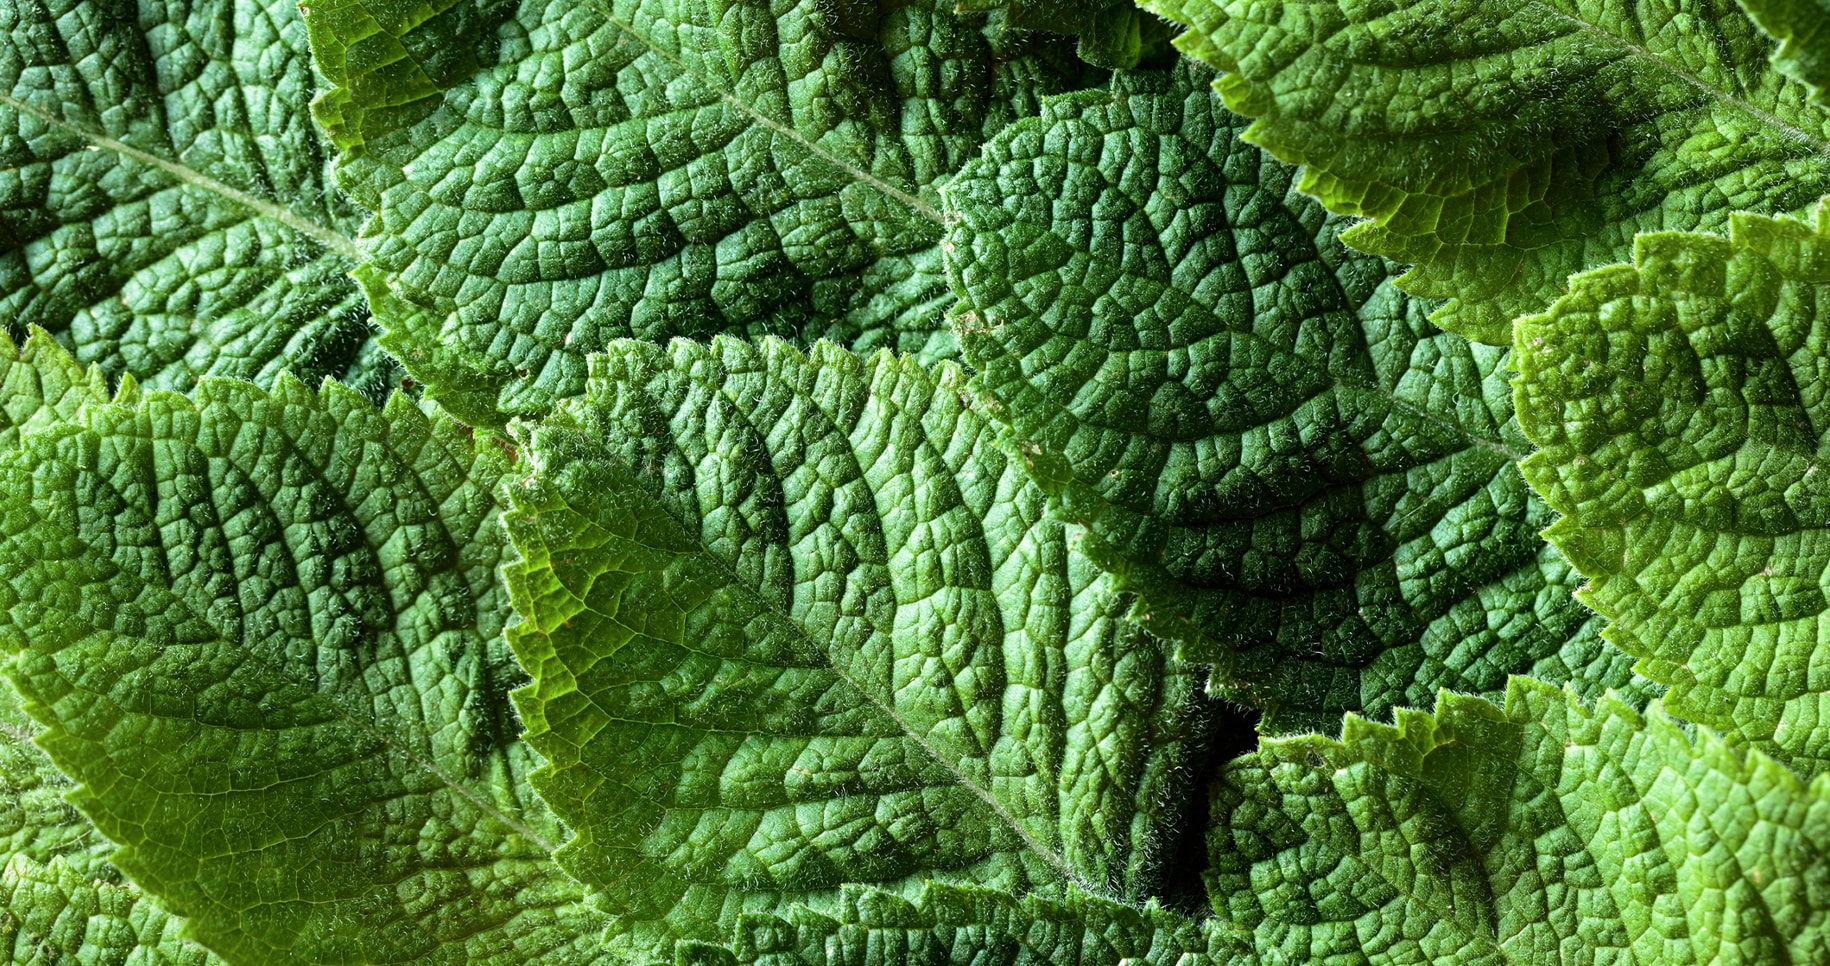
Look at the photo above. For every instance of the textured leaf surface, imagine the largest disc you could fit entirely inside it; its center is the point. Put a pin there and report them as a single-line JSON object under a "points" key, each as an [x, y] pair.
{"points": [[1680, 405], [51, 914], [40, 385], [1501, 145], [35, 821], [263, 632], [166, 208], [548, 176], [1112, 33], [796, 624], [1543, 833], [1299, 472]]}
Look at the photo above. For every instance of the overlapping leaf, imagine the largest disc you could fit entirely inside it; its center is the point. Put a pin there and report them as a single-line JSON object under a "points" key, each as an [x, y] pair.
{"points": [[1300, 473], [52, 914], [1802, 28], [1111, 33], [1680, 405], [1501, 145], [1541, 833], [166, 208], [802, 635], [548, 176], [262, 631]]}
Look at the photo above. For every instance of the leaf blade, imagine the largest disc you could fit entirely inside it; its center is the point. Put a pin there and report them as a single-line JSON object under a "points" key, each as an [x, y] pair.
{"points": [[780, 651], [1530, 143]]}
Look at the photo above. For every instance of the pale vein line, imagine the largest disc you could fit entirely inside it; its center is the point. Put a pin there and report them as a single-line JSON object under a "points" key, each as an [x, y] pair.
{"points": [[913, 201], [1790, 132], [330, 238], [1034, 844], [1010, 820]]}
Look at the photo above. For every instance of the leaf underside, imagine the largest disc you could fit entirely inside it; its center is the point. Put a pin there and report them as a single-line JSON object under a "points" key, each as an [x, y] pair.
{"points": [[1306, 480]]}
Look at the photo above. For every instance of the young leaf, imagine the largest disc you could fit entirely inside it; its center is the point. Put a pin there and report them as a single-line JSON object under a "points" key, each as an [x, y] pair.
{"points": [[262, 630], [1680, 405], [1301, 475], [1541, 833], [800, 632], [1501, 145], [549, 176], [51, 913], [167, 210], [40, 385]]}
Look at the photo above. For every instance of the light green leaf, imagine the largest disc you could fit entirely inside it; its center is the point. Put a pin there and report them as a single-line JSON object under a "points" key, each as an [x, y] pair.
{"points": [[40, 385], [1112, 33], [547, 176], [796, 625], [1543, 833], [35, 821], [1802, 28], [1681, 409], [166, 209], [262, 630], [52, 914], [1306, 480], [1502, 145]]}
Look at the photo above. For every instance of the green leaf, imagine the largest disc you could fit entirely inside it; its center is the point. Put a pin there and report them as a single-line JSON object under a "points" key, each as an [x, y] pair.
{"points": [[1802, 28], [166, 209], [1306, 480], [1680, 405], [1543, 832], [262, 630], [1112, 33], [549, 176], [1529, 141], [35, 821], [952, 924], [796, 624], [52, 914], [40, 385]]}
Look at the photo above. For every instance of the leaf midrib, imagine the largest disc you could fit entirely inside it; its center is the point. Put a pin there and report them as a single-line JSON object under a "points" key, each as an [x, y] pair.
{"points": [[734, 579], [328, 237], [912, 201], [343, 713]]}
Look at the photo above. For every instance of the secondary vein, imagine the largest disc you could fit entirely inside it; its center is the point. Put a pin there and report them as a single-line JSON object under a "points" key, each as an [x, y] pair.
{"points": [[911, 200], [330, 238]]}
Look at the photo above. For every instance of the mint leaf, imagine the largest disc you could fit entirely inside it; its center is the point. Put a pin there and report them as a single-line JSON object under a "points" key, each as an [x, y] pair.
{"points": [[1802, 28], [52, 914], [262, 630], [549, 176], [1530, 141], [1678, 404], [40, 385], [1112, 33], [1305, 479], [167, 210], [35, 821], [797, 625], [1543, 832]]}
